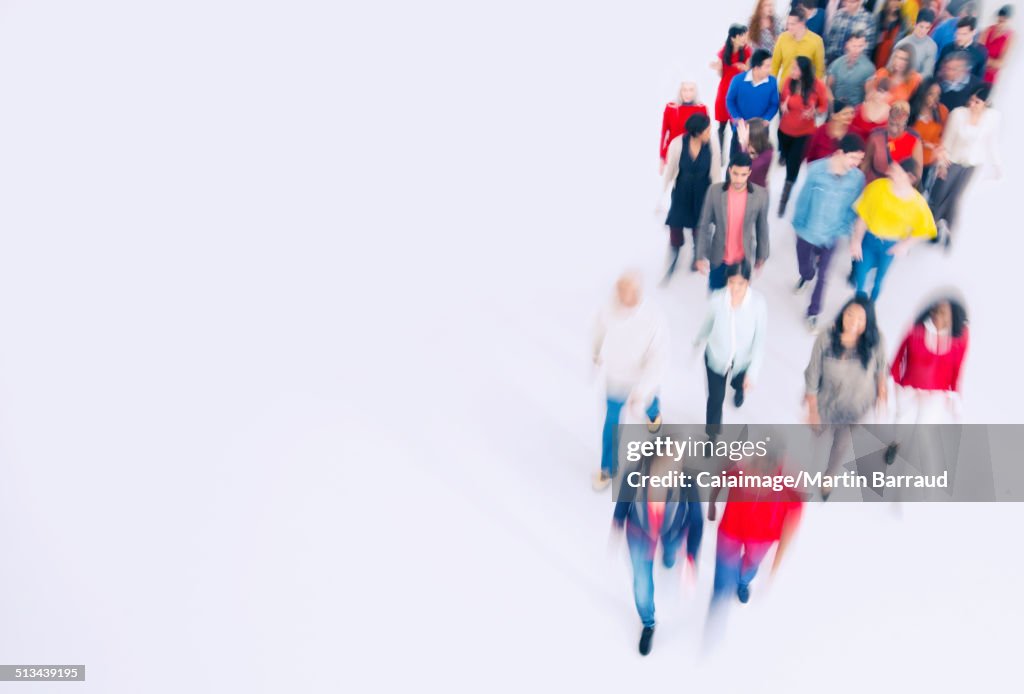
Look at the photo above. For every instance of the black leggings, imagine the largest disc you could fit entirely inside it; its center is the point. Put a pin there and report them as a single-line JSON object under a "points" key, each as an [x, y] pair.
{"points": [[792, 151], [716, 396], [721, 135]]}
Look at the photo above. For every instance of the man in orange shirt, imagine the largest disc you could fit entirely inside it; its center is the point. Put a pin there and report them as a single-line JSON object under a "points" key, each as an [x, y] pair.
{"points": [[733, 223]]}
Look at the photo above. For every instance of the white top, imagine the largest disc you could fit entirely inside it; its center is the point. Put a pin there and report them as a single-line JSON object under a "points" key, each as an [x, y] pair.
{"points": [[633, 345], [972, 145]]}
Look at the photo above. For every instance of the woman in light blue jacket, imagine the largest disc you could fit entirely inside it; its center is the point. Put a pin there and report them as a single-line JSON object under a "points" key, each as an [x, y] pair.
{"points": [[734, 330]]}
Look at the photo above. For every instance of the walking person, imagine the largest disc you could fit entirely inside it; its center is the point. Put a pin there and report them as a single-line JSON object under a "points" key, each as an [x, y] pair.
{"points": [[892, 216], [669, 516], [997, 40], [903, 80], [797, 42], [969, 140], [827, 136], [848, 73], [733, 59], [733, 224], [755, 141], [963, 40], [824, 214], [734, 333], [631, 343], [894, 143], [690, 164], [925, 50], [765, 26], [873, 113], [804, 96], [752, 94], [957, 81], [890, 29], [677, 113], [928, 119], [851, 17]]}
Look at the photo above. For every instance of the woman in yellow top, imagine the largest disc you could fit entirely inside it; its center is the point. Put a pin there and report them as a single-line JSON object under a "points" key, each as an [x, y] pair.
{"points": [[893, 215]]}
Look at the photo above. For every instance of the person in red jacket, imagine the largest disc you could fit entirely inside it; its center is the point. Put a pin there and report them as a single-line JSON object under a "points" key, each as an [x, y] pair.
{"points": [[928, 362], [733, 59], [673, 122], [826, 138]]}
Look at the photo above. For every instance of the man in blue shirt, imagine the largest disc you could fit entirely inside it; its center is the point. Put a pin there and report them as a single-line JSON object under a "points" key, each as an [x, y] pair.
{"points": [[752, 94], [824, 214]]}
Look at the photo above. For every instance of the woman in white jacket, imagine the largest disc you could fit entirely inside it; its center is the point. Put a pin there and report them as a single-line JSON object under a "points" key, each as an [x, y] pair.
{"points": [[631, 342], [969, 140], [734, 330]]}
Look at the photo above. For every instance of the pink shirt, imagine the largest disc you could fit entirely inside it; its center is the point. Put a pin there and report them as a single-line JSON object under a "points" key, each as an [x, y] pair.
{"points": [[736, 210]]}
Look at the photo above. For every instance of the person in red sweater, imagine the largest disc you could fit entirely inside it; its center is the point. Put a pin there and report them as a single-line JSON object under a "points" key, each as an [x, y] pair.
{"points": [[673, 122], [803, 96], [928, 362], [733, 59], [893, 144], [825, 140]]}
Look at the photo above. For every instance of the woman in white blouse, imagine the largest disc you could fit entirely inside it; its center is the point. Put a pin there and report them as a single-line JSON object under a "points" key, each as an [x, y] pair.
{"points": [[969, 140]]}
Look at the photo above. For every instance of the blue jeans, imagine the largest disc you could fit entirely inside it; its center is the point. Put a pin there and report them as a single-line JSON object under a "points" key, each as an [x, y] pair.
{"points": [[610, 442], [716, 278], [641, 554], [733, 570], [876, 257]]}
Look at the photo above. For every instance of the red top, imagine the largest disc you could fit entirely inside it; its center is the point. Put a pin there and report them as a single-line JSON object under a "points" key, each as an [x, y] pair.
{"points": [[821, 144], [917, 366], [996, 46], [861, 125], [795, 122], [736, 210], [758, 513], [673, 123], [728, 72]]}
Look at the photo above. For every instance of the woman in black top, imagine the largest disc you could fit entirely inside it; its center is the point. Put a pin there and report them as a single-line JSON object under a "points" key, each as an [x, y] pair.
{"points": [[691, 186]]}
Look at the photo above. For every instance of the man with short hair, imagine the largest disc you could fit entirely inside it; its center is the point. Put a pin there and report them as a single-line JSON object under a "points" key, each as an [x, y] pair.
{"points": [[795, 41], [964, 41], [956, 80], [851, 17], [733, 223], [814, 17], [944, 33], [893, 215], [848, 73], [925, 50], [752, 94], [824, 214]]}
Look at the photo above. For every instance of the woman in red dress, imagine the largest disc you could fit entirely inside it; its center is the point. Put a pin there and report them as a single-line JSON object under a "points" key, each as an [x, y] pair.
{"points": [[874, 112], [673, 122], [733, 59], [997, 39]]}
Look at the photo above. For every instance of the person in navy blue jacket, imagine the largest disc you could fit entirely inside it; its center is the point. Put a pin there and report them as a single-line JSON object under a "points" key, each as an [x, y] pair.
{"points": [[753, 94], [670, 515]]}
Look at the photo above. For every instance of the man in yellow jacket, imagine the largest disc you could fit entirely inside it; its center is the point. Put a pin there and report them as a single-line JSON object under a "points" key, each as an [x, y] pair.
{"points": [[796, 40]]}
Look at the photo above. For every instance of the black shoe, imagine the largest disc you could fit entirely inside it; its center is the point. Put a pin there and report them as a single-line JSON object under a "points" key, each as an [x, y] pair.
{"points": [[737, 398], [890, 453], [786, 189], [812, 323], [645, 640], [801, 285]]}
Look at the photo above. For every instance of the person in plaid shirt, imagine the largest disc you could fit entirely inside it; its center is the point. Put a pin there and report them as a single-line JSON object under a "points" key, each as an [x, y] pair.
{"points": [[849, 18]]}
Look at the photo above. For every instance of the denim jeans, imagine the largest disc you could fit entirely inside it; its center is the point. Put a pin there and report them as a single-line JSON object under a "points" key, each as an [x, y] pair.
{"points": [[876, 257], [813, 260], [610, 442], [641, 554], [716, 278], [736, 563]]}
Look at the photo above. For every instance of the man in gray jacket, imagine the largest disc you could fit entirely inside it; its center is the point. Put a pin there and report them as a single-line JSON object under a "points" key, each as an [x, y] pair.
{"points": [[733, 224]]}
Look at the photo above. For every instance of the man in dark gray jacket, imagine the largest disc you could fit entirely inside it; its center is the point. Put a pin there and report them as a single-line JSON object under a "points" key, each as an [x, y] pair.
{"points": [[733, 224]]}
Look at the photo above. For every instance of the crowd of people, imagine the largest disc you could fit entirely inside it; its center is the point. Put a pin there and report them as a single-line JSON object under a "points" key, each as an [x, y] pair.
{"points": [[882, 114]]}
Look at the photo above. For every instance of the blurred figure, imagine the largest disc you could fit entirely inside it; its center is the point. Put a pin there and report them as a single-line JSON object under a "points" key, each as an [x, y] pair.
{"points": [[827, 136], [846, 376], [677, 113], [903, 81], [997, 40], [851, 17], [803, 97], [892, 216], [928, 119], [925, 50], [797, 42], [957, 81], [733, 224], [874, 112], [848, 73], [969, 140], [689, 165], [824, 214], [926, 368], [733, 59], [754, 140], [893, 144], [667, 514], [814, 17], [733, 332], [945, 33], [631, 342], [752, 94], [754, 520], [963, 40], [765, 26], [890, 28]]}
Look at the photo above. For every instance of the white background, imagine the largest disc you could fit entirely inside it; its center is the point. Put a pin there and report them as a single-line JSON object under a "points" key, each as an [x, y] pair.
{"points": [[294, 381]]}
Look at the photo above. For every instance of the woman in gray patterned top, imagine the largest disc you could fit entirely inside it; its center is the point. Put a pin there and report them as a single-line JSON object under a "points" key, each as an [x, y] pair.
{"points": [[846, 375]]}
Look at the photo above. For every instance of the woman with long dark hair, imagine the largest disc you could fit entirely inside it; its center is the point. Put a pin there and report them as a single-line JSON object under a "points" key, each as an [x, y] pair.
{"points": [[692, 166], [928, 119], [890, 29], [846, 375], [733, 59], [803, 96]]}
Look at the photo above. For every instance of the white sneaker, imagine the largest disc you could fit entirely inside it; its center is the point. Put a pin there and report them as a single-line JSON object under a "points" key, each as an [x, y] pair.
{"points": [[601, 481]]}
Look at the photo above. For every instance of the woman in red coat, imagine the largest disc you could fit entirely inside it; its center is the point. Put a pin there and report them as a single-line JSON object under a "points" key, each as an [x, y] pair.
{"points": [[733, 59], [673, 122], [927, 365]]}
